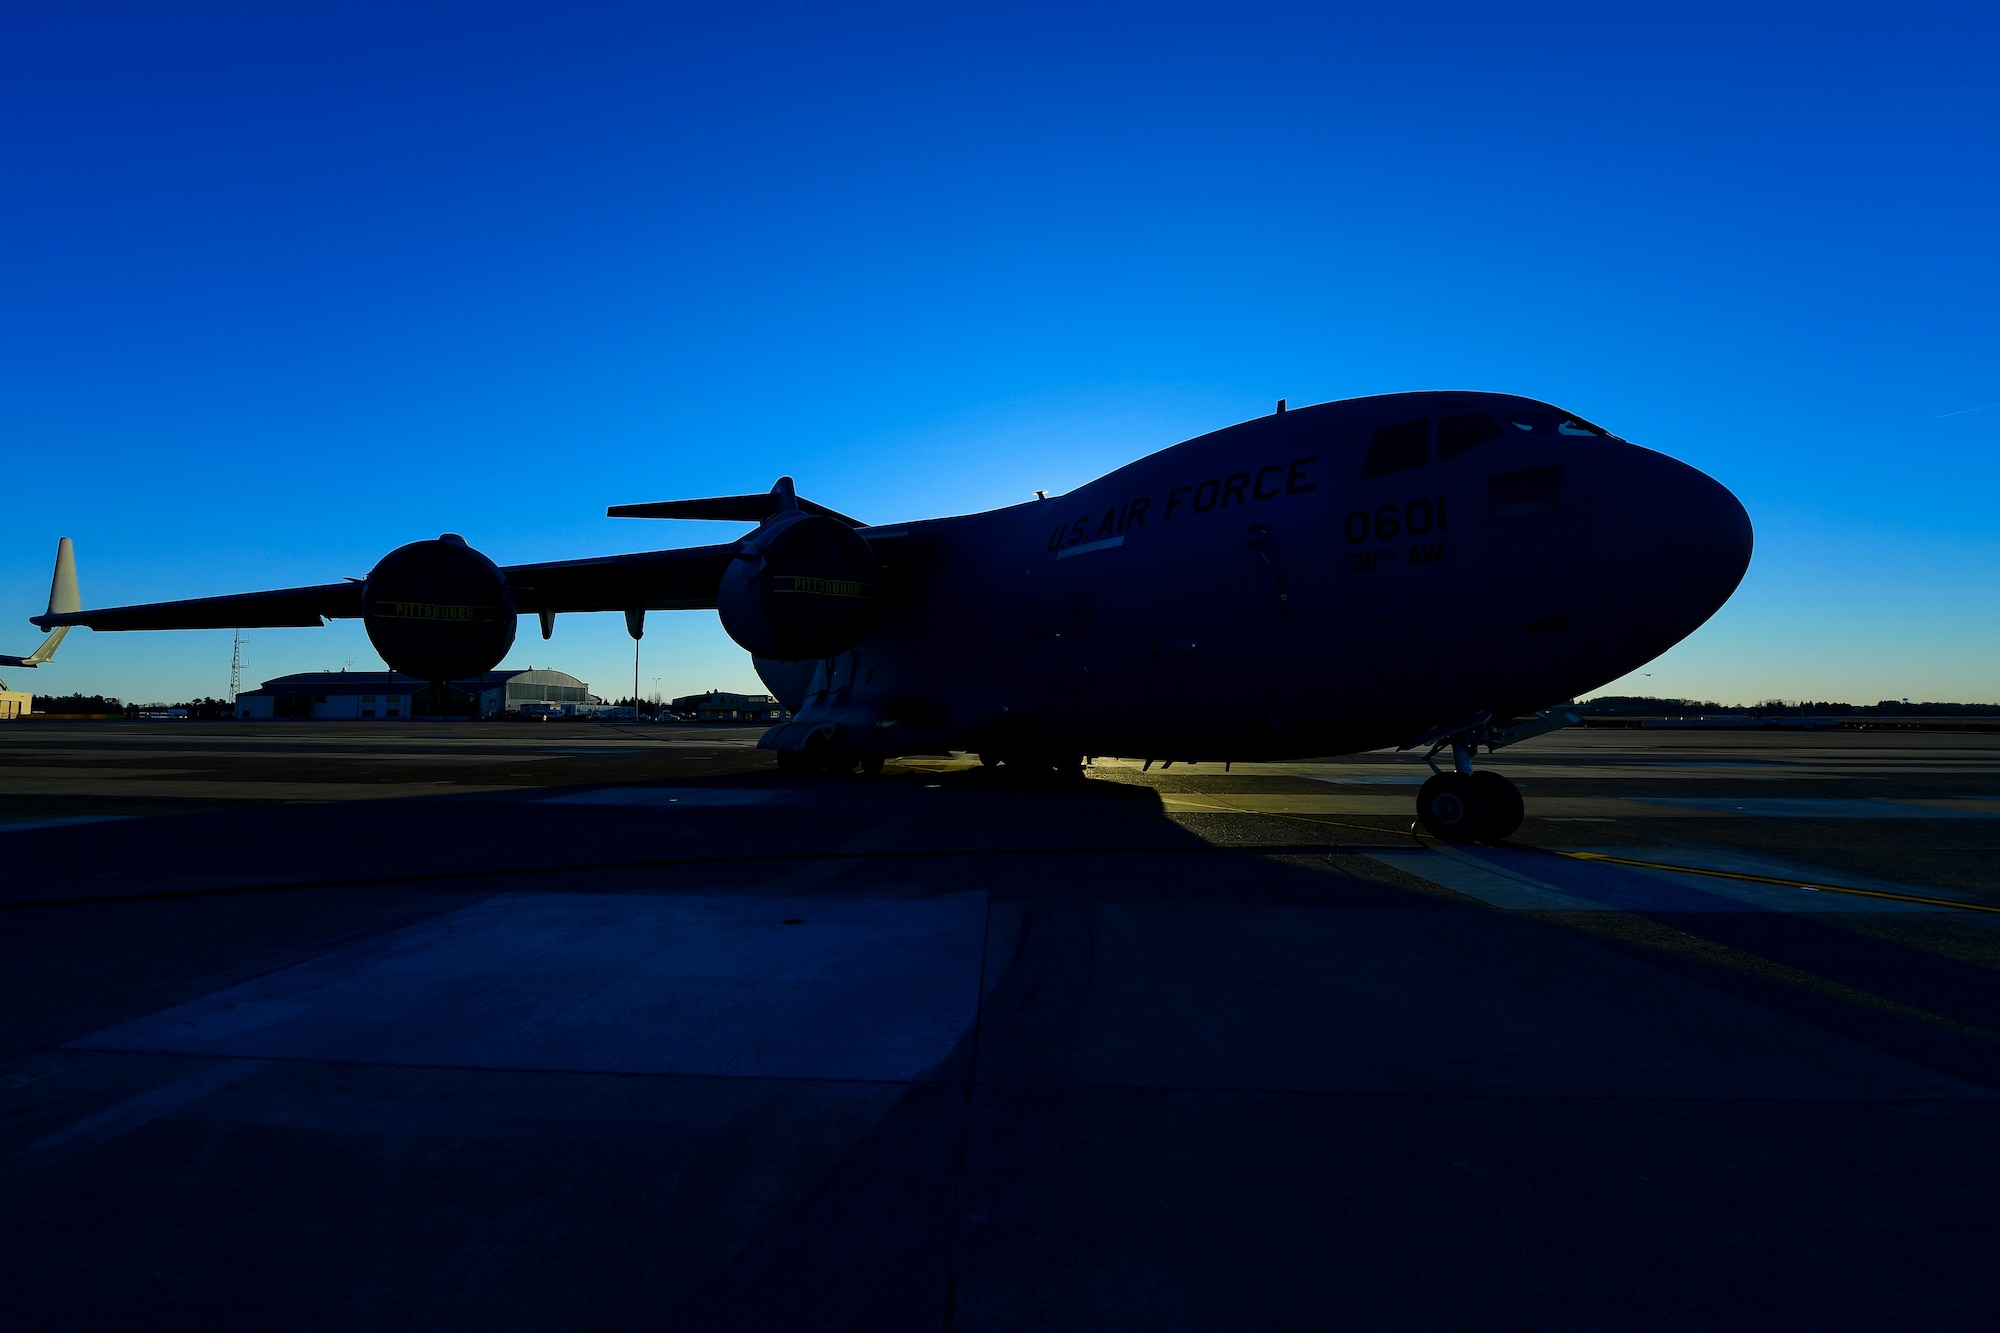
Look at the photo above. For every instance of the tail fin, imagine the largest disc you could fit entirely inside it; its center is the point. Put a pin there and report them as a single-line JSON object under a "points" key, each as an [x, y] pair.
{"points": [[62, 597]]}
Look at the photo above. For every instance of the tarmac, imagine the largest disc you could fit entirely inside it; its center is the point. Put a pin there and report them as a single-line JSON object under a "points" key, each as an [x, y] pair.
{"points": [[385, 1026]]}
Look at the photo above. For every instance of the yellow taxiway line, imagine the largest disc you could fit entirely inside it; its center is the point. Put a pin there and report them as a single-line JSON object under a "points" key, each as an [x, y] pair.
{"points": [[1806, 884], [1772, 879]]}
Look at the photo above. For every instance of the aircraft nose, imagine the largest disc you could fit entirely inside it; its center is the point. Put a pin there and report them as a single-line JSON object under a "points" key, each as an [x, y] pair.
{"points": [[1676, 539]]}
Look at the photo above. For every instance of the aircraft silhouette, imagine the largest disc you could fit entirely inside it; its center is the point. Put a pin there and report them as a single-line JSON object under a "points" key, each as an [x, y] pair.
{"points": [[1441, 569]]}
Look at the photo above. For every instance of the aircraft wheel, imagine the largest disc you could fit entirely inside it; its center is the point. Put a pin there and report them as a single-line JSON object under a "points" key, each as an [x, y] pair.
{"points": [[1032, 770], [1452, 808], [793, 761], [1503, 806], [871, 764], [821, 755]]}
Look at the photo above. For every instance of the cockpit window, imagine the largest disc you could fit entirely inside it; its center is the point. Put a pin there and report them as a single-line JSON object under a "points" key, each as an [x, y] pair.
{"points": [[1543, 423], [1396, 448], [1457, 434]]}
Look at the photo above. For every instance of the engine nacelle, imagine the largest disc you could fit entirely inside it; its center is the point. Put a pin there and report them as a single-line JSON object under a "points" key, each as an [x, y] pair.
{"points": [[802, 586], [438, 610]]}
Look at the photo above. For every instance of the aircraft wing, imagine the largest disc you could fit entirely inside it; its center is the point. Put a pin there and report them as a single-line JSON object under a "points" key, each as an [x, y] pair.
{"points": [[679, 580], [244, 610], [682, 580]]}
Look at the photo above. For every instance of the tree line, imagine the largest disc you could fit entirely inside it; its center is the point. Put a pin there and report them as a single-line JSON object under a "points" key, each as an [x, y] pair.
{"points": [[105, 703], [1615, 705]]}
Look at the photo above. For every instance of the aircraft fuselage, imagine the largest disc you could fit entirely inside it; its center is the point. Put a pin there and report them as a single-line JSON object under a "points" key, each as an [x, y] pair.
{"points": [[1325, 580]]}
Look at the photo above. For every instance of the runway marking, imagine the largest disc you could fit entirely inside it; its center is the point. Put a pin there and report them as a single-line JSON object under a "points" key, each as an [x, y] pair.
{"points": [[1372, 779], [1801, 807], [148, 1106], [248, 789], [1175, 802], [1489, 883], [668, 797], [62, 823], [1508, 877], [1807, 884], [1630, 928], [1476, 876], [1517, 890], [1303, 819], [1699, 763]]}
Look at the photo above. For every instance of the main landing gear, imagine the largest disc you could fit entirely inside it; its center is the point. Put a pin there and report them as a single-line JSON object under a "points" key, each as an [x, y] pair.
{"points": [[1035, 768], [823, 756], [1464, 806]]}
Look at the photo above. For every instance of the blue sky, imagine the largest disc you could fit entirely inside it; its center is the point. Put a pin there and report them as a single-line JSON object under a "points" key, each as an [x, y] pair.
{"points": [[282, 287]]}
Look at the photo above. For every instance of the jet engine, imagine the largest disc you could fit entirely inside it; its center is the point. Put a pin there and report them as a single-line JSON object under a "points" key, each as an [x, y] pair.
{"points": [[438, 610], [802, 586]]}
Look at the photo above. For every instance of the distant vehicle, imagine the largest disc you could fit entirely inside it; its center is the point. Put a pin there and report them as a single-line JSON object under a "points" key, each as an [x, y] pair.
{"points": [[1438, 570]]}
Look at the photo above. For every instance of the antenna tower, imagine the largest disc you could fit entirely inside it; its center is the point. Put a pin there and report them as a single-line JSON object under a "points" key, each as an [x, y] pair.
{"points": [[235, 665]]}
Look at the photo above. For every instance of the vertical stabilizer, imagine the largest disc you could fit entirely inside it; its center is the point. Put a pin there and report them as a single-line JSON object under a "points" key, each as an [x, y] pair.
{"points": [[62, 597], [62, 588]]}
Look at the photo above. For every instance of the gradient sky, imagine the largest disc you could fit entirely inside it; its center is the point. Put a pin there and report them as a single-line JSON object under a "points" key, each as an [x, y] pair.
{"points": [[284, 286]]}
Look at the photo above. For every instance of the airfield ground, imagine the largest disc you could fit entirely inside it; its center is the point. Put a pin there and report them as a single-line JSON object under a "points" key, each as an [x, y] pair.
{"points": [[528, 1027]]}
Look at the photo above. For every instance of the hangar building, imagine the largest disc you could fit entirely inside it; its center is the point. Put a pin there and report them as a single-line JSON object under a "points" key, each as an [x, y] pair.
{"points": [[382, 695]]}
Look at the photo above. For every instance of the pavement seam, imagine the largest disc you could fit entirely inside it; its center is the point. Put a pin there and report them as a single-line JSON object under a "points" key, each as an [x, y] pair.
{"points": [[591, 867], [1067, 1085]]}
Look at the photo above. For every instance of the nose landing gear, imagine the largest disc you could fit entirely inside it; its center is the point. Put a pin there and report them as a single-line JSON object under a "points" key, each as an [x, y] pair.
{"points": [[1464, 806]]}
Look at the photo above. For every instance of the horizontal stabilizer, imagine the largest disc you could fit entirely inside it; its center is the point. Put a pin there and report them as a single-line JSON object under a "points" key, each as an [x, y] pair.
{"points": [[733, 508], [40, 655]]}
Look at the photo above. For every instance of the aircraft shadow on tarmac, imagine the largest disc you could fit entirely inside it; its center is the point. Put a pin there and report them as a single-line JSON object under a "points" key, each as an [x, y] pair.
{"points": [[752, 1051]]}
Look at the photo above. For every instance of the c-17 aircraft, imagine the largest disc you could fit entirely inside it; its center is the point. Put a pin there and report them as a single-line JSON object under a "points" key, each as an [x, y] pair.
{"points": [[1441, 569]]}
